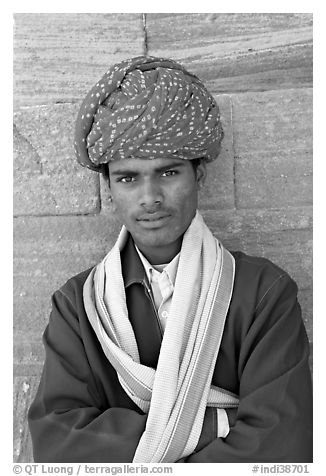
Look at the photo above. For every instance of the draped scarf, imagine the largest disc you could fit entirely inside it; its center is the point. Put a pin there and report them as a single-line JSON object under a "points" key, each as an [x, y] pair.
{"points": [[176, 394]]}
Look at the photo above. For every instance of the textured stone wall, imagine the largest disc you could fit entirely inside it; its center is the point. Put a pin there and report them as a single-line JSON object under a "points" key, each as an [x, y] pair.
{"points": [[259, 193]]}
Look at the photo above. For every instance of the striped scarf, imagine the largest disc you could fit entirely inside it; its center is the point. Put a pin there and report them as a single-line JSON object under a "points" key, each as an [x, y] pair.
{"points": [[176, 394]]}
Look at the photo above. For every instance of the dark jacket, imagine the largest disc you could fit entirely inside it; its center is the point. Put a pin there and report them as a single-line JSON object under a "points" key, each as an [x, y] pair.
{"points": [[82, 414]]}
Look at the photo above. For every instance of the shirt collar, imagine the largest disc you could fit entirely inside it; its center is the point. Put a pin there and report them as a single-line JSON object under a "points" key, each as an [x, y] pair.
{"points": [[132, 268], [170, 268]]}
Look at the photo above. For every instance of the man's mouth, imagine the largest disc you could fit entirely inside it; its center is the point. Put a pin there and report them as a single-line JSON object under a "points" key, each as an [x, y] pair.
{"points": [[152, 217], [153, 220]]}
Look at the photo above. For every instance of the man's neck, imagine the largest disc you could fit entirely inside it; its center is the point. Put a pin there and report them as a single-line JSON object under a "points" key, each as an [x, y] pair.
{"points": [[160, 254]]}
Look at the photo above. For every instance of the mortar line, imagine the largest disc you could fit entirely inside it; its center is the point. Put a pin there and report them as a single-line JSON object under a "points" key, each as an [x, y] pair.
{"points": [[234, 158], [145, 44]]}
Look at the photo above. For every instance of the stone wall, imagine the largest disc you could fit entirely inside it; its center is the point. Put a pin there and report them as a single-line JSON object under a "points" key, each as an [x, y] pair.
{"points": [[259, 193]]}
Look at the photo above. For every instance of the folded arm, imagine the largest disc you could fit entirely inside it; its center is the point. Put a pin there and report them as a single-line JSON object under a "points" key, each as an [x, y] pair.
{"points": [[274, 417], [69, 419]]}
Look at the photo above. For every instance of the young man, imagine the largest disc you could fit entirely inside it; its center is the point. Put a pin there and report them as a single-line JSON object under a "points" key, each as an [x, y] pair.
{"points": [[172, 349]]}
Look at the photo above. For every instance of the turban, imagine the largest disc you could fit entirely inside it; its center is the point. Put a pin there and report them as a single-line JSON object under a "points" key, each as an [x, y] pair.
{"points": [[147, 107]]}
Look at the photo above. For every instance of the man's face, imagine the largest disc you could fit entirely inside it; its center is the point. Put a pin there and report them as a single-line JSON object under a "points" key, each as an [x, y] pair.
{"points": [[156, 201]]}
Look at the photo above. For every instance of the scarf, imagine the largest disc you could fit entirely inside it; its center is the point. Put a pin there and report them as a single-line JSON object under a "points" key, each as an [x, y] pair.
{"points": [[176, 394], [147, 107]]}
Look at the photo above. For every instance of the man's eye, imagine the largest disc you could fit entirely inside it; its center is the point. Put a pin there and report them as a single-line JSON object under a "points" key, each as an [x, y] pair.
{"points": [[169, 173], [127, 179]]}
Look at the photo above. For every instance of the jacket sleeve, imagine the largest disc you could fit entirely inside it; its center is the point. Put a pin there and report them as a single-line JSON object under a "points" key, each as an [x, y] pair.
{"points": [[68, 420], [274, 418]]}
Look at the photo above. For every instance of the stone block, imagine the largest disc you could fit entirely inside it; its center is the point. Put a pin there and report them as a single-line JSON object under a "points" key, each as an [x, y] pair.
{"points": [[59, 56], [218, 190], [283, 236], [277, 180], [237, 51], [28, 353], [273, 148], [239, 28], [272, 234], [47, 178], [269, 120], [47, 252], [239, 222], [24, 392], [305, 298]]}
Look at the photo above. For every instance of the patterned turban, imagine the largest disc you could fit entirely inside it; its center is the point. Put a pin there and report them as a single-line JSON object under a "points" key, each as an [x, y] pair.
{"points": [[147, 107]]}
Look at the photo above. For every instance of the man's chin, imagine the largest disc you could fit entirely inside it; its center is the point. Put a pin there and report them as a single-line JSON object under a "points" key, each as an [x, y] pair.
{"points": [[154, 238]]}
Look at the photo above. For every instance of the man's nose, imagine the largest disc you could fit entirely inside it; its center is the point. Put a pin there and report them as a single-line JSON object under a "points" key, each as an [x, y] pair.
{"points": [[151, 195]]}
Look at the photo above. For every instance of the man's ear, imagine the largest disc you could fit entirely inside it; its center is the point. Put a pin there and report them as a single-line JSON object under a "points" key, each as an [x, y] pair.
{"points": [[201, 173]]}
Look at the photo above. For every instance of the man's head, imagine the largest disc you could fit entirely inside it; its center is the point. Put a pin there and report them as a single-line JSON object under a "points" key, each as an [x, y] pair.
{"points": [[143, 117], [156, 201]]}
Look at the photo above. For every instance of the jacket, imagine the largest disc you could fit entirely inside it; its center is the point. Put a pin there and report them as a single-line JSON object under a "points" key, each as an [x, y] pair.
{"points": [[82, 414]]}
